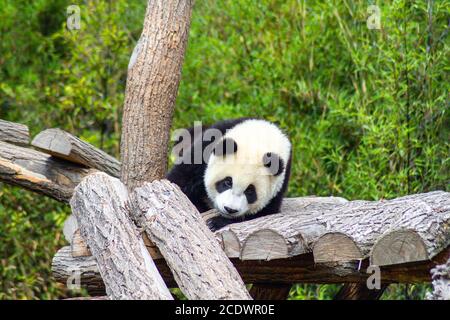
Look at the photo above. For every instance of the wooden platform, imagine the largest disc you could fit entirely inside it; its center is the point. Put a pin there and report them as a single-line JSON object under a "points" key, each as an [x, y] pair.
{"points": [[312, 240]]}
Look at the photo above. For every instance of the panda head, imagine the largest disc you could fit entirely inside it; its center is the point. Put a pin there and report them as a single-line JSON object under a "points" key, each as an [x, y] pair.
{"points": [[246, 168]]}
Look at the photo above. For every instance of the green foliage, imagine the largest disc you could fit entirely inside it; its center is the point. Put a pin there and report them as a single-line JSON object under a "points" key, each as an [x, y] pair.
{"points": [[313, 292], [367, 110]]}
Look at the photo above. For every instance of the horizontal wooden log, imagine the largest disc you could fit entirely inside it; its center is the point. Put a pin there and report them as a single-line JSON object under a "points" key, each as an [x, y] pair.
{"points": [[77, 272], [342, 231], [309, 228], [173, 224], [282, 235], [128, 271], [39, 172], [419, 232], [14, 133], [308, 206], [390, 231], [63, 145], [298, 269]]}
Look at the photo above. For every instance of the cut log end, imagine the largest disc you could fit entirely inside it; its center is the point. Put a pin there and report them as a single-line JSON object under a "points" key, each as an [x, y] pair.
{"points": [[264, 244], [398, 247], [230, 244], [78, 246], [70, 227], [61, 144], [335, 247], [54, 141]]}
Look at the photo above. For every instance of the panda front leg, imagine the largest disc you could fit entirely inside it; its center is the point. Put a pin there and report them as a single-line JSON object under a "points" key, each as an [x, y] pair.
{"points": [[219, 222]]}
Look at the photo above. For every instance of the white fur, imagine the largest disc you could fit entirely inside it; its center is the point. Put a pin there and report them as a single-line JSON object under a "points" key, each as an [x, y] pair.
{"points": [[231, 200], [254, 138]]}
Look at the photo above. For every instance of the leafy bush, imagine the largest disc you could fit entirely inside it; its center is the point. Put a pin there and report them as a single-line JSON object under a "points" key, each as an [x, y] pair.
{"points": [[365, 109]]}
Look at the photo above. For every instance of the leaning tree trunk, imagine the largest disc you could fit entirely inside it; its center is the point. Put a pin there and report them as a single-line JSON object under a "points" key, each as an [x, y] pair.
{"points": [[199, 265], [99, 201], [153, 76], [128, 271]]}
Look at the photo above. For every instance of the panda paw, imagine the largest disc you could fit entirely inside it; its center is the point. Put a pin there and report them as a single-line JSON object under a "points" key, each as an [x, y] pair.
{"points": [[217, 223]]}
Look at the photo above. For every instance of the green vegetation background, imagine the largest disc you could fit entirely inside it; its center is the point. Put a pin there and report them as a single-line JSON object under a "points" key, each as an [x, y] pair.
{"points": [[367, 110]]}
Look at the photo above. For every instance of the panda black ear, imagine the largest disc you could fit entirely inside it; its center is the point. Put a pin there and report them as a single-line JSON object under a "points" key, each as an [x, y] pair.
{"points": [[225, 146], [274, 163]]}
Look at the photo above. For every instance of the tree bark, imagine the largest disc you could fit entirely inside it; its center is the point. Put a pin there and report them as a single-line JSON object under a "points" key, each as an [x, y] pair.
{"points": [[343, 231], [14, 133], [200, 267], [154, 74], [39, 172], [125, 265], [63, 145], [298, 269], [77, 271], [282, 235], [301, 230]]}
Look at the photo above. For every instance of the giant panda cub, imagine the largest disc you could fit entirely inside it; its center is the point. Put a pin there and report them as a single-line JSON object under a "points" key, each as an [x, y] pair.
{"points": [[242, 170]]}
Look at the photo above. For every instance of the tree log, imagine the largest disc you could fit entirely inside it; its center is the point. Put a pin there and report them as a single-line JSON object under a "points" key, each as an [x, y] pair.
{"points": [[358, 225], [420, 231], [77, 271], [154, 74], [39, 172], [63, 145], [307, 229], [298, 269], [300, 206], [200, 267], [14, 133], [282, 235], [124, 263], [337, 232]]}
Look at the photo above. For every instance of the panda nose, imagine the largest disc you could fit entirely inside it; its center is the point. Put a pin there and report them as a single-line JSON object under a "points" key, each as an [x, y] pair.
{"points": [[229, 210]]}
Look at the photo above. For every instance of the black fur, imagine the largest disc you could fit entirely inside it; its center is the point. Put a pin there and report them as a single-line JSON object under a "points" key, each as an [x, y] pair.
{"points": [[225, 146], [250, 194], [224, 184], [189, 177], [274, 163]]}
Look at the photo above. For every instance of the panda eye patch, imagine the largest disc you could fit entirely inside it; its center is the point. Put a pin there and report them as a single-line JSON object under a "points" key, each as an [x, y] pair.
{"points": [[224, 184], [250, 194]]}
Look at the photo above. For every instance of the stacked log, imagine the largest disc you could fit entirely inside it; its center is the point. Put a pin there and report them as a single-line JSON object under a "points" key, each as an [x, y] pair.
{"points": [[312, 239]]}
